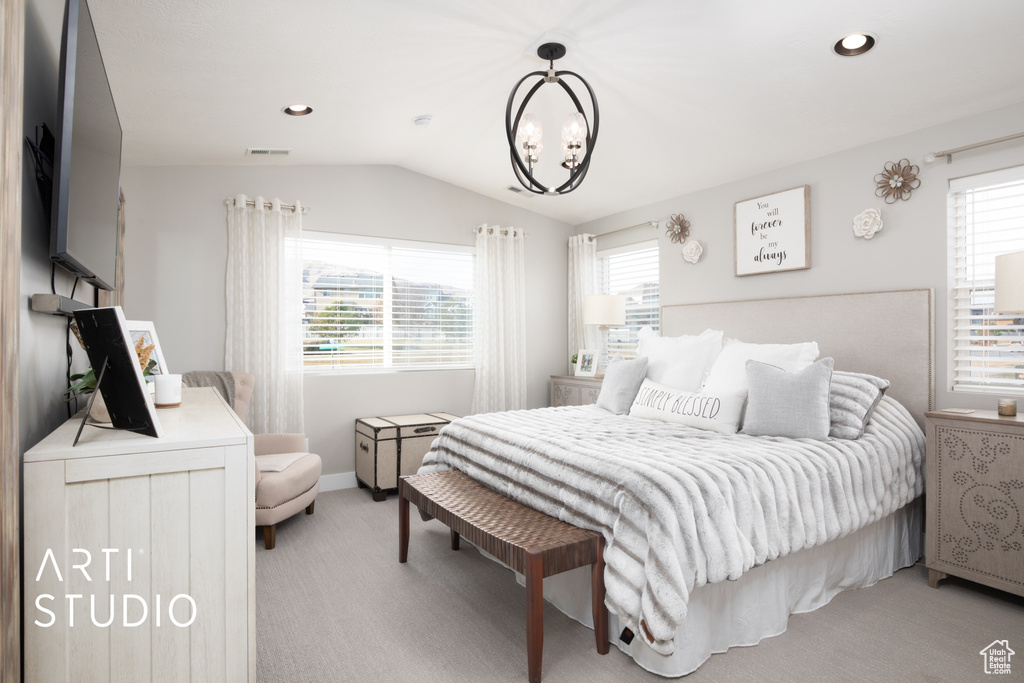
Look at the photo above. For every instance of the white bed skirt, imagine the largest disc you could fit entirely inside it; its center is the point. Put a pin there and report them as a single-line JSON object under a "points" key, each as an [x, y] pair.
{"points": [[758, 605]]}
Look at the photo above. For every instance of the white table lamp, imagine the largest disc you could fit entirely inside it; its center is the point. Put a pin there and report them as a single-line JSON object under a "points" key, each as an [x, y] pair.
{"points": [[1009, 283], [606, 310]]}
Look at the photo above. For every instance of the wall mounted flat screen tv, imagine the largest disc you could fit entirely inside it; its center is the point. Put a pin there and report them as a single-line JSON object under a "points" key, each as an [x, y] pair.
{"points": [[87, 164]]}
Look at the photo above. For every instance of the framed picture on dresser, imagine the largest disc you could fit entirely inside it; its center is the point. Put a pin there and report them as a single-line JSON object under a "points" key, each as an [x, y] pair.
{"points": [[586, 363], [143, 334]]}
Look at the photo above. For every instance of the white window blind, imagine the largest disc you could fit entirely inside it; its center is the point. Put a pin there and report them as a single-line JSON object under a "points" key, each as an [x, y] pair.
{"points": [[631, 271], [386, 304], [986, 218]]}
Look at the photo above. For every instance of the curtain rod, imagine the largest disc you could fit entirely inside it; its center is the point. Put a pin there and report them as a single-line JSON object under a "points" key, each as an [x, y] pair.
{"points": [[948, 153], [504, 231], [266, 205], [653, 224]]}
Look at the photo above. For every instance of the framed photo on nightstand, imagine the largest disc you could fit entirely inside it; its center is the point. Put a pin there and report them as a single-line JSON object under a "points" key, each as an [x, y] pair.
{"points": [[586, 363]]}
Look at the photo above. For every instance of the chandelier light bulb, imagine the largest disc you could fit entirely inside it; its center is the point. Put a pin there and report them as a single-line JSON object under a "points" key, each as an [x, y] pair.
{"points": [[530, 130], [574, 130]]}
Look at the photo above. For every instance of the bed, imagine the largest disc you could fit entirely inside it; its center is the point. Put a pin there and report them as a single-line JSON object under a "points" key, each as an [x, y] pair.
{"points": [[713, 540]]}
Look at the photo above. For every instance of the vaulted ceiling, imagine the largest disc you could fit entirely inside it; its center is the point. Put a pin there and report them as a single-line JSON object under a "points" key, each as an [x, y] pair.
{"points": [[691, 93]]}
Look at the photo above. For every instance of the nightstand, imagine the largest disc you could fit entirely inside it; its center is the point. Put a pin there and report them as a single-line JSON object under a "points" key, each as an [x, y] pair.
{"points": [[975, 499], [567, 390]]}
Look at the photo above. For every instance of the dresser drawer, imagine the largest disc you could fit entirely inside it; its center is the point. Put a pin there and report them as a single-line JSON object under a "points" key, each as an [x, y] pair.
{"points": [[566, 390]]}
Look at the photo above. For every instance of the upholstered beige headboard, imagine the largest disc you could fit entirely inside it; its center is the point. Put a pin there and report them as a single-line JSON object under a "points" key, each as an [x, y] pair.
{"points": [[886, 334]]}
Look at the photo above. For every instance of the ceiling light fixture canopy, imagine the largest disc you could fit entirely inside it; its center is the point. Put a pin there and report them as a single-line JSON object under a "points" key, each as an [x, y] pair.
{"points": [[525, 132]]}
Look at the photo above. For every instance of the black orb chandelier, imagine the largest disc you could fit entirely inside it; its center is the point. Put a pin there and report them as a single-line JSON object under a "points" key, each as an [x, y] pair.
{"points": [[525, 133]]}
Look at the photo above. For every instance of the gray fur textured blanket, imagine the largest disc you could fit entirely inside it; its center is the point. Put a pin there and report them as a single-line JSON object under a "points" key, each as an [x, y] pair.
{"points": [[680, 507]]}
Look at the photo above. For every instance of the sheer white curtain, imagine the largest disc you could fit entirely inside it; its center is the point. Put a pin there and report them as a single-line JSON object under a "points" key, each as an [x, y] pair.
{"points": [[499, 320], [582, 281], [264, 310]]}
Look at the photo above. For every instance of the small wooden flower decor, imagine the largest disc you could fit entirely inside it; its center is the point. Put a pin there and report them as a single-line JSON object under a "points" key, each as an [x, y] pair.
{"points": [[678, 228], [897, 181]]}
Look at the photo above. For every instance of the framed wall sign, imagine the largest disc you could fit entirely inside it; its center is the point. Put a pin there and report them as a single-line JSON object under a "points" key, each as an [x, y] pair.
{"points": [[773, 232]]}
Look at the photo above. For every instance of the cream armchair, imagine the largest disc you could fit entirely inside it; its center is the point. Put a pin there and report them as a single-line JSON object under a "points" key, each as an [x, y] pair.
{"points": [[287, 480], [287, 476]]}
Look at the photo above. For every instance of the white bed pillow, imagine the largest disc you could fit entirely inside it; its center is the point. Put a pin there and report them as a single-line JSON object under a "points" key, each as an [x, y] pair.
{"points": [[791, 404], [680, 362], [713, 412], [729, 372]]}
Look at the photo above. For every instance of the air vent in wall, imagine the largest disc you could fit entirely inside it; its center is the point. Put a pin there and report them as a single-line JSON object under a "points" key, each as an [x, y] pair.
{"points": [[519, 190], [267, 151]]}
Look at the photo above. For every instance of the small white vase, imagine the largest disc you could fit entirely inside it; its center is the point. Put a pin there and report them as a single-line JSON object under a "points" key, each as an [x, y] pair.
{"points": [[98, 411]]}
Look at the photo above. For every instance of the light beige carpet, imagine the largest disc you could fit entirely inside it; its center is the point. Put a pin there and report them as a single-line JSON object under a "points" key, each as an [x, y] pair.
{"points": [[334, 604]]}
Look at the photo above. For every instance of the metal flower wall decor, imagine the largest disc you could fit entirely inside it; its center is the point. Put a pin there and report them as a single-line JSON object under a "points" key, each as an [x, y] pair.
{"points": [[897, 181], [678, 228]]}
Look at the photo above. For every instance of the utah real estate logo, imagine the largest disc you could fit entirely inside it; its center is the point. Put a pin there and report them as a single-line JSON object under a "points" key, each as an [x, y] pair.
{"points": [[997, 657]]}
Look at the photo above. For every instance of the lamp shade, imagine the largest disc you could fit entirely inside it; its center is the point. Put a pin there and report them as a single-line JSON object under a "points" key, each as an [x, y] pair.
{"points": [[604, 309], [1009, 283]]}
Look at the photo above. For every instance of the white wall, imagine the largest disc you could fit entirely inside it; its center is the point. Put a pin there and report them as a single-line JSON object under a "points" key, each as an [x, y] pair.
{"points": [[909, 252], [176, 251]]}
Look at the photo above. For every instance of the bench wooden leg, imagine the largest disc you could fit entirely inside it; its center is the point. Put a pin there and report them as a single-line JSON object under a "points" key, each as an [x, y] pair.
{"points": [[455, 539], [403, 528], [534, 613], [597, 600]]}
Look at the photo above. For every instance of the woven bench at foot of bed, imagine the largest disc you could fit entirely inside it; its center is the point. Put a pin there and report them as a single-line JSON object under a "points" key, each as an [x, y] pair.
{"points": [[529, 541]]}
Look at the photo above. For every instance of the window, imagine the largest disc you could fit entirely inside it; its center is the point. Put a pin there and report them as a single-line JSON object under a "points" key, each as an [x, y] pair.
{"points": [[986, 218], [632, 271], [373, 303]]}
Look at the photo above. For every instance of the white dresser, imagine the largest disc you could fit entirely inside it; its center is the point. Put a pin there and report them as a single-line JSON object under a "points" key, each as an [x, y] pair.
{"points": [[165, 527], [567, 390]]}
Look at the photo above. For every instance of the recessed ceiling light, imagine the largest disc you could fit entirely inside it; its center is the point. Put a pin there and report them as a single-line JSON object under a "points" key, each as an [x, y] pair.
{"points": [[423, 120], [854, 44], [298, 110]]}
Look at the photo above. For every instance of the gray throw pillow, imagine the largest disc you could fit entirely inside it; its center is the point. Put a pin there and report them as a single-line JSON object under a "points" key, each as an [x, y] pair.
{"points": [[853, 398], [622, 379], [791, 404]]}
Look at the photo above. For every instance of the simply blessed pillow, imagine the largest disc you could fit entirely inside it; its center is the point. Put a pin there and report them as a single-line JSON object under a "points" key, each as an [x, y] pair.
{"points": [[680, 362], [703, 410]]}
